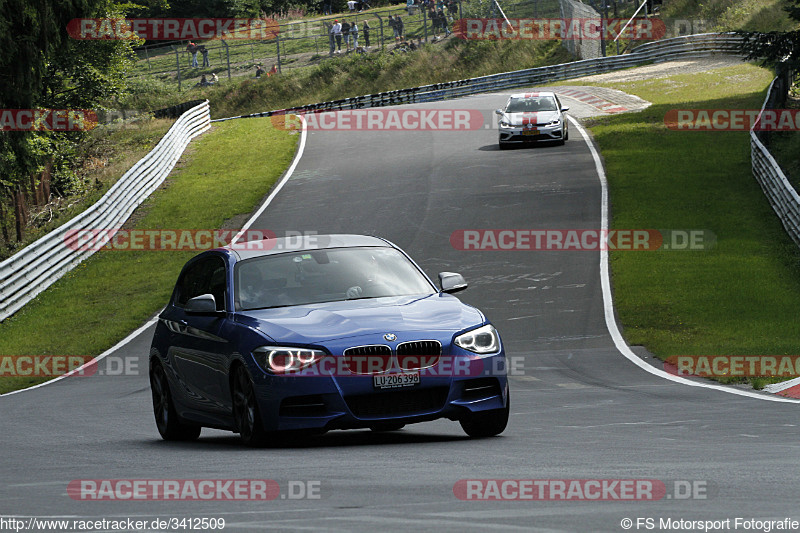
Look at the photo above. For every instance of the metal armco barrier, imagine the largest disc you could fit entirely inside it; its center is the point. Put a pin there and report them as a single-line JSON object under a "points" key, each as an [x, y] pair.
{"points": [[781, 194], [43, 262], [690, 46]]}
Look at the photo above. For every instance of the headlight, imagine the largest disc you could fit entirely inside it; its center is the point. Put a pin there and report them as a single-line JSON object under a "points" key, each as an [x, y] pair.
{"points": [[555, 122], [484, 339], [284, 360], [505, 124]]}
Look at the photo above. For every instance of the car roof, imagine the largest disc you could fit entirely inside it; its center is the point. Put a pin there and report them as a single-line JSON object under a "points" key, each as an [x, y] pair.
{"points": [[264, 247], [533, 94]]}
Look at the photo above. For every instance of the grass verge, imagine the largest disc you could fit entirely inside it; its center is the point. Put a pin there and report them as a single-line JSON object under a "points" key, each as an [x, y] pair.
{"points": [[223, 174], [741, 297]]}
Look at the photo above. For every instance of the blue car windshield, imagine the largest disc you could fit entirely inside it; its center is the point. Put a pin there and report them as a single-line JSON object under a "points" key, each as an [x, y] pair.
{"points": [[330, 275], [532, 105]]}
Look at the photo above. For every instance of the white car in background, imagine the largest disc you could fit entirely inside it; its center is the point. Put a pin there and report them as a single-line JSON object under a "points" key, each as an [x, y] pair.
{"points": [[532, 117]]}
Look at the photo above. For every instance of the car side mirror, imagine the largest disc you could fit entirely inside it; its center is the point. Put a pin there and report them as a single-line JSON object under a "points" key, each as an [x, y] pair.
{"points": [[205, 304], [498, 111], [451, 282], [565, 108]]}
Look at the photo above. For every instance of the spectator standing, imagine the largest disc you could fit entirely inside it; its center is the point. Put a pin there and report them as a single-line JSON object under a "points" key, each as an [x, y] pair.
{"points": [[326, 7], [393, 26], [354, 33], [336, 31], [410, 7], [346, 34], [398, 23], [351, 5], [192, 49], [204, 53], [443, 23], [366, 33]]}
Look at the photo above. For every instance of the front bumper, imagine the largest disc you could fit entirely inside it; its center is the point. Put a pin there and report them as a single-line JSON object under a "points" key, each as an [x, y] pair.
{"points": [[325, 402], [524, 134]]}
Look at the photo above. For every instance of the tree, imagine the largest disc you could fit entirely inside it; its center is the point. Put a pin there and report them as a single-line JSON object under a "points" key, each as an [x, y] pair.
{"points": [[775, 46], [42, 67]]}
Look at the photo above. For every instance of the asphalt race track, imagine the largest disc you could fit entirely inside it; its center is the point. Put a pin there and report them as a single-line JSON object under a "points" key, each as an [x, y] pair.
{"points": [[580, 409]]}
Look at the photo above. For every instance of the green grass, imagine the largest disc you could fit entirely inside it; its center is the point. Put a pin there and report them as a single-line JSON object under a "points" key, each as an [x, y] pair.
{"points": [[742, 297], [106, 154], [225, 173]]}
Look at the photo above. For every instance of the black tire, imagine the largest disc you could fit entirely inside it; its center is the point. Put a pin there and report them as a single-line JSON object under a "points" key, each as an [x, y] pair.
{"points": [[167, 421], [486, 423], [387, 426], [246, 414], [566, 134]]}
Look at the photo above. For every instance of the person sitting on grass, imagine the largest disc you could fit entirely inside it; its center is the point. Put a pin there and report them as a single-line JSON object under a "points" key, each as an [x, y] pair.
{"points": [[259, 71]]}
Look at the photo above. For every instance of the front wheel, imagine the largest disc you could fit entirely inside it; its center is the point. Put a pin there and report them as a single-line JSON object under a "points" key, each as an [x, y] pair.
{"points": [[169, 425], [487, 423], [245, 410]]}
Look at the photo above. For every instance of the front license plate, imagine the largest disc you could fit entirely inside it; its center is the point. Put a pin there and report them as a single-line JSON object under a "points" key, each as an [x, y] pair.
{"points": [[392, 381], [530, 132]]}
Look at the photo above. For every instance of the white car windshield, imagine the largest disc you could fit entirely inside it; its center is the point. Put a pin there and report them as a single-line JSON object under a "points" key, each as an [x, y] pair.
{"points": [[532, 105]]}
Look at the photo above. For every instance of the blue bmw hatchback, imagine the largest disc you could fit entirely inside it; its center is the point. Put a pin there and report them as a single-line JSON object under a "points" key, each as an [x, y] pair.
{"points": [[318, 333]]}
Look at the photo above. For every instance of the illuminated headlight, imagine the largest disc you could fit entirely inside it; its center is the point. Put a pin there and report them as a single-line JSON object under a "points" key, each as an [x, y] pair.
{"points": [[284, 360], [482, 340]]}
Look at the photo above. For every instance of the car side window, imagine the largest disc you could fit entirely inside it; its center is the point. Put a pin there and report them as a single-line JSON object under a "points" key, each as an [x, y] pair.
{"points": [[206, 276]]}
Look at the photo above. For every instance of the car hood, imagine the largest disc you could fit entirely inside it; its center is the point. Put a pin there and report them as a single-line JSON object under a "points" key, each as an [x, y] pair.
{"points": [[317, 323], [540, 117]]}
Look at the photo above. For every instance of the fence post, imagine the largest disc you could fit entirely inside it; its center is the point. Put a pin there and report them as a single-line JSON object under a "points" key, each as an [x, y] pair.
{"points": [[178, 65], [252, 54], [425, 22], [381, 21], [227, 57], [278, 46], [149, 67]]}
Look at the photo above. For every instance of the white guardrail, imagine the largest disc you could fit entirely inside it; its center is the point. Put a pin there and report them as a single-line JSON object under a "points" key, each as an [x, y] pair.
{"points": [[781, 194], [43, 262]]}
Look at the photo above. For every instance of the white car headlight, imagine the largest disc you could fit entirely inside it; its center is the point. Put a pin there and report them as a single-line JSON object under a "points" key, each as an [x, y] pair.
{"points": [[555, 122], [505, 124], [482, 340], [285, 359]]}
